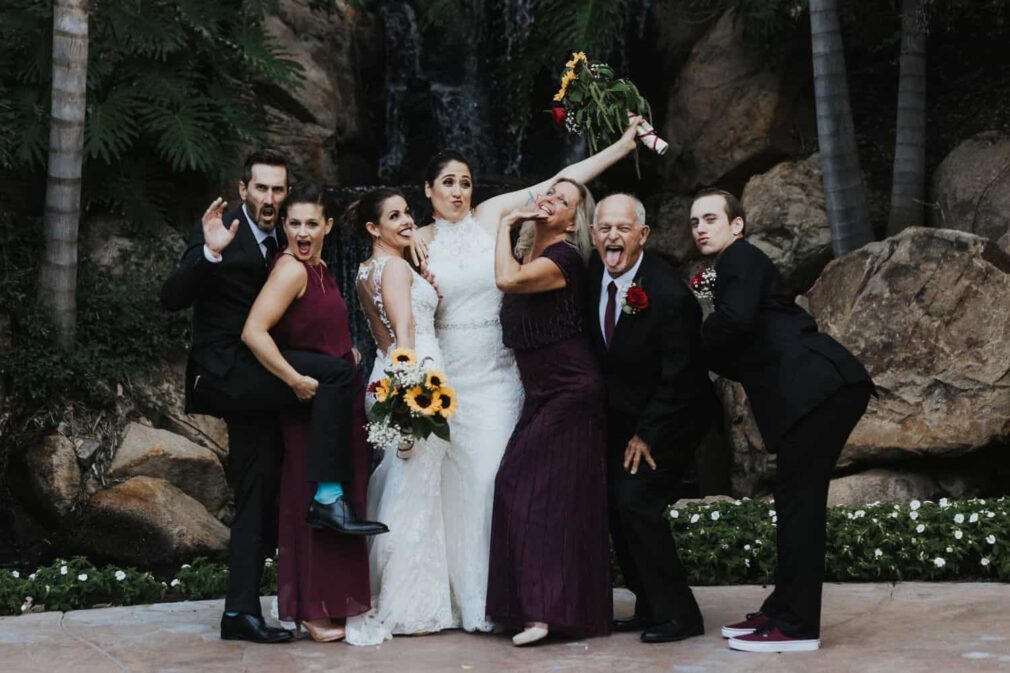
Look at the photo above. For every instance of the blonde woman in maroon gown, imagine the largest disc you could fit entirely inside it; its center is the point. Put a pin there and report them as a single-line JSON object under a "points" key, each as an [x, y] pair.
{"points": [[322, 576]]}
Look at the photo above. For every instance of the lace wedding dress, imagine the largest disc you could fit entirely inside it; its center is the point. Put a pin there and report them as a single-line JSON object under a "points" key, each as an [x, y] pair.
{"points": [[407, 565], [490, 394]]}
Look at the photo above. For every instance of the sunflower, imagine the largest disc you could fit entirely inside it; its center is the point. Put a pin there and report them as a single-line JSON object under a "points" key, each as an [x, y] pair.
{"points": [[435, 379], [566, 80], [420, 402], [402, 356], [445, 398], [576, 57], [380, 389]]}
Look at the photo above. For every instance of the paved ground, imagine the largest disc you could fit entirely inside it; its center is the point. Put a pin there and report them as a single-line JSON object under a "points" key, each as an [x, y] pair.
{"points": [[869, 628]]}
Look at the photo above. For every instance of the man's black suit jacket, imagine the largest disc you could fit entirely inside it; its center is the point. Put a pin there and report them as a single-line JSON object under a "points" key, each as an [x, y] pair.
{"points": [[654, 371], [758, 336], [221, 295]]}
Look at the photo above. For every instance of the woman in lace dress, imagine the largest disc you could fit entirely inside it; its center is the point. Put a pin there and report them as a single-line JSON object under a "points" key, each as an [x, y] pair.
{"points": [[459, 250], [407, 566]]}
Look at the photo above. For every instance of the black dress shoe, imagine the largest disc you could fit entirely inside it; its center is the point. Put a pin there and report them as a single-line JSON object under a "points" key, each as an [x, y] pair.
{"points": [[244, 626], [339, 516], [672, 631], [636, 623]]}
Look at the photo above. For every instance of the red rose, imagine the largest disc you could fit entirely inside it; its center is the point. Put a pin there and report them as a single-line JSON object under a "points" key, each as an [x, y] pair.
{"points": [[637, 299], [558, 114]]}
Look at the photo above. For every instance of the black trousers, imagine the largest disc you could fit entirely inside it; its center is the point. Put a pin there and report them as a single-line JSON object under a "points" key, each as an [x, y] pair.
{"points": [[640, 530], [249, 388], [253, 471], [806, 458]]}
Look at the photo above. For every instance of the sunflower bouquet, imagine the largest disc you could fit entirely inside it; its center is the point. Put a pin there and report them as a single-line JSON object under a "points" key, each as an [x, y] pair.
{"points": [[594, 103], [411, 403]]}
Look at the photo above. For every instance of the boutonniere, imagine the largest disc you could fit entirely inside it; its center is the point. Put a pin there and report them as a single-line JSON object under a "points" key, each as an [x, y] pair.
{"points": [[634, 300], [703, 284]]}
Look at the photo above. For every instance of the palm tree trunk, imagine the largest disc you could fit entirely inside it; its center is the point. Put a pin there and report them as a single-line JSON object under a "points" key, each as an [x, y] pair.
{"points": [[844, 193], [908, 187], [58, 271]]}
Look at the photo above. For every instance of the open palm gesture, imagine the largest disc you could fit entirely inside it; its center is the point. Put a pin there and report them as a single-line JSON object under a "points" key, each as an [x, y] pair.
{"points": [[215, 234]]}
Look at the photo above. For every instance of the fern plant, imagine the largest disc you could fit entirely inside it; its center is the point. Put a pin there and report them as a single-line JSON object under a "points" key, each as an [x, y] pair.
{"points": [[171, 94]]}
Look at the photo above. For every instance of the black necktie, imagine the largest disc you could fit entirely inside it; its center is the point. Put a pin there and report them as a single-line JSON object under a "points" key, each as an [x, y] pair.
{"points": [[610, 313], [270, 243]]}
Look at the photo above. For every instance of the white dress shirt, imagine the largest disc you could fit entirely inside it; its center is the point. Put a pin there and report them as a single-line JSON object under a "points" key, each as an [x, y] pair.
{"points": [[623, 281], [260, 235]]}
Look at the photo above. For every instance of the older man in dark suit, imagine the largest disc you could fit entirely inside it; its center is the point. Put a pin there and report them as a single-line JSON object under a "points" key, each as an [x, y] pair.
{"points": [[807, 393], [660, 405]]}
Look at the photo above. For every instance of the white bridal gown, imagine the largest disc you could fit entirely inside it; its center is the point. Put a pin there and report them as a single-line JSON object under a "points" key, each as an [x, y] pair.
{"points": [[407, 565], [484, 375]]}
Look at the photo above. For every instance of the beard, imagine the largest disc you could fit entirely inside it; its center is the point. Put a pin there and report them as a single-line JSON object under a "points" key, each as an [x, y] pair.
{"points": [[257, 213]]}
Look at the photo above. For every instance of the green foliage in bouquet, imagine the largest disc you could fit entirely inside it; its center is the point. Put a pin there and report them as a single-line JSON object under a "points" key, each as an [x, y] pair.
{"points": [[410, 401], [596, 103]]}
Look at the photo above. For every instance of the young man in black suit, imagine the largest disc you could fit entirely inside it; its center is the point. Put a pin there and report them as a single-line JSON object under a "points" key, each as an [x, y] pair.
{"points": [[660, 405], [807, 393], [220, 274]]}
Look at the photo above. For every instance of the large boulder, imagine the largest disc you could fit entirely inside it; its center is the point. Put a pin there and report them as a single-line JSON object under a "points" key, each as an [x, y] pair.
{"points": [[926, 312], [194, 469], [667, 215], [147, 521], [971, 186], [787, 220], [54, 473], [752, 469], [731, 110], [882, 485]]}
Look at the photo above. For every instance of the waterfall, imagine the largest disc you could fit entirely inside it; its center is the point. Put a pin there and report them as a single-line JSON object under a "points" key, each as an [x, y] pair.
{"points": [[403, 64]]}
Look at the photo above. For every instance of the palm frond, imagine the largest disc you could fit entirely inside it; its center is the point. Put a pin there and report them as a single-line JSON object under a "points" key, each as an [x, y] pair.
{"points": [[110, 126], [184, 132]]}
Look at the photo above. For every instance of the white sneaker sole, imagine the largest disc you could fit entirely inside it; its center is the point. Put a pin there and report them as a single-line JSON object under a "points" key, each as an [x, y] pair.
{"points": [[728, 632], [791, 646]]}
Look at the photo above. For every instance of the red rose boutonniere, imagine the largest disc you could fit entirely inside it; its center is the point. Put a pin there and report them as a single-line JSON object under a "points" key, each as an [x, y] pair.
{"points": [[635, 300]]}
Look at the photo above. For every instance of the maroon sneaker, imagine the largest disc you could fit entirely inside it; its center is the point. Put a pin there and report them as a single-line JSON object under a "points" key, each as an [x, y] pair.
{"points": [[755, 621], [770, 639]]}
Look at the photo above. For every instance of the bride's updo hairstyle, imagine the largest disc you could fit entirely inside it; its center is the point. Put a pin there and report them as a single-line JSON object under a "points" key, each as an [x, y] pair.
{"points": [[440, 160], [369, 209], [581, 238]]}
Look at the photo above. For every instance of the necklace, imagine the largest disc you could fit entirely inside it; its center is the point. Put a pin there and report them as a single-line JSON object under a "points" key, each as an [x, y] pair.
{"points": [[318, 274]]}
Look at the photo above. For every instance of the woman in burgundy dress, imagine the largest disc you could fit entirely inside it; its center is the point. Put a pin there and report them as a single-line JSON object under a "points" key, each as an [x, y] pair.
{"points": [[322, 576], [549, 566]]}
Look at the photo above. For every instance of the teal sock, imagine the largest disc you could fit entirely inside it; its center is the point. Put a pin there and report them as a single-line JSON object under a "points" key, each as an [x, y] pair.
{"points": [[327, 492], [232, 614]]}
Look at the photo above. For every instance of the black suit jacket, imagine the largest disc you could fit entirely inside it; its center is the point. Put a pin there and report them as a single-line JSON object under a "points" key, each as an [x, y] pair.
{"points": [[221, 295], [654, 372], [758, 336]]}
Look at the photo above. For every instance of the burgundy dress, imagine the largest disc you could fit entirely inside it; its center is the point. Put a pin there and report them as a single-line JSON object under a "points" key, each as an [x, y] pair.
{"points": [[549, 550], [320, 573]]}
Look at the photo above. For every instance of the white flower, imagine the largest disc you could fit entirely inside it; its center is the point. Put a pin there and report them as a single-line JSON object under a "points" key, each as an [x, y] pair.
{"points": [[878, 552], [695, 517], [715, 515], [746, 547], [959, 518], [914, 505], [175, 583], [990, 515], [939, 562], [913, 515], [63, 570], [958, 534], [991, 539], [860, 514], [973, 518], [32, 577], [83, 577], [984, 562], [674, 514], [120, 576], [920, 528], [738, 502], [186, 565], [950, 550], [269, 562], [894, 515], [771, 513], [746, 562], [775, 519], [944, 502], [15, 574]]}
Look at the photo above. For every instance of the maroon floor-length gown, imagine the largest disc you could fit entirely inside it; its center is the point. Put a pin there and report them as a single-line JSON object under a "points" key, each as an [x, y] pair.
{"points": [[320, 573], [549, 548]]}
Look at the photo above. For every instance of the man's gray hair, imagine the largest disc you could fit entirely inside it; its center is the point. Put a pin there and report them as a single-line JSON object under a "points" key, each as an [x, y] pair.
{"points": [[639, 207]]}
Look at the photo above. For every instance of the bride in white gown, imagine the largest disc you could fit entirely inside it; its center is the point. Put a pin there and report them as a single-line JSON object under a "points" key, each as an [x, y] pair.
{"points": [[459, 250], [407, 566]]}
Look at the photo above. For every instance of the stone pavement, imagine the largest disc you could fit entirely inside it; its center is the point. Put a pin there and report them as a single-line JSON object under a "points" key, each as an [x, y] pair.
{"points": [[869, 628]]}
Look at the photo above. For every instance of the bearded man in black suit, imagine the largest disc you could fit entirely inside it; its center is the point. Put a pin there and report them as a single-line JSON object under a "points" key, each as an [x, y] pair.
{"points": [[807, 393], [660, 405], [220, 274]]}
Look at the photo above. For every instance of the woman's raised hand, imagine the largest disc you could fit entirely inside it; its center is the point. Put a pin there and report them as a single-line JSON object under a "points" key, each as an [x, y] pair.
{"points": [[215, 235], [630, 137], [521, 215]]}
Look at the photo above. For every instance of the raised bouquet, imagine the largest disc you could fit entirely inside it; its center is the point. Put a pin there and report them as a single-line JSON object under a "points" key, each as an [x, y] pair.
{"points": [[411, 403], [703, 284], [594, 103]]}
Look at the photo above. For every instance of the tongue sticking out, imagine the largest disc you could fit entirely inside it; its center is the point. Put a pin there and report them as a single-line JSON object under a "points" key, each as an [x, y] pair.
{"points": [[304, 248], [613, 257]]}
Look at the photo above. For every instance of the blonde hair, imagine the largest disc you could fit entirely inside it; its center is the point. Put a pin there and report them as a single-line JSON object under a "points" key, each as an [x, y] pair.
{"points": [[581, 238]]}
